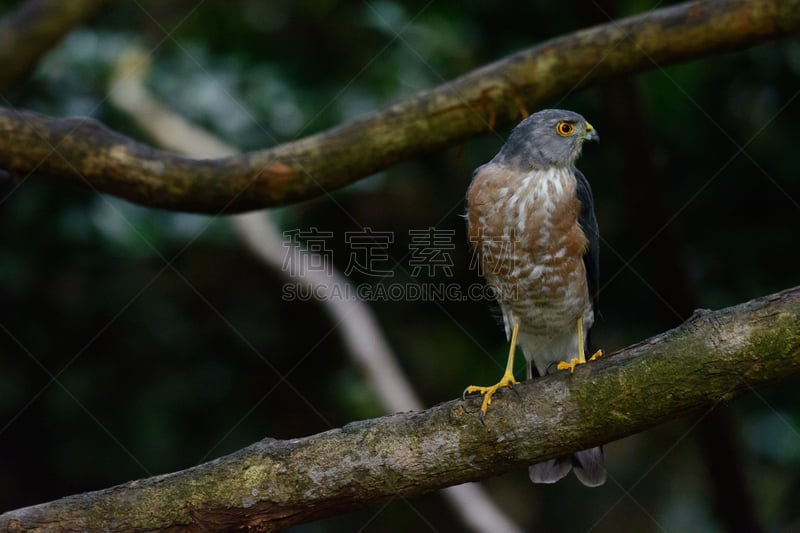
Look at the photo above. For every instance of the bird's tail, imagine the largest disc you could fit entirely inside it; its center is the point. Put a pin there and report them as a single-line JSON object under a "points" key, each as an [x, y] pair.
{"points": [[589, 468]]}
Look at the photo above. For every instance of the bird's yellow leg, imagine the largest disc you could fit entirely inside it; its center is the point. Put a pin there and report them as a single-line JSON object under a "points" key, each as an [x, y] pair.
{"points": [[506, 381], [581, 359]]}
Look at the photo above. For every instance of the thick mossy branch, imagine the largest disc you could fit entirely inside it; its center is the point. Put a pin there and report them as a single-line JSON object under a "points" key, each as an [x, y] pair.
{"points": [[496, 94], [29, 31], [712, 358]]}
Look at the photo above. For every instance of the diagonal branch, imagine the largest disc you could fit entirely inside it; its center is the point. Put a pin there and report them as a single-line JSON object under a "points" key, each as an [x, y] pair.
{"points": [[28, 32], [496, 94], [712, 358]]}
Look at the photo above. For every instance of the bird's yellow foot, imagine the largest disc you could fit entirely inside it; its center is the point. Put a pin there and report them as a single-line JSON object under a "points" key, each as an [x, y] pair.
{"points": [[564, 365], [506, 381]]}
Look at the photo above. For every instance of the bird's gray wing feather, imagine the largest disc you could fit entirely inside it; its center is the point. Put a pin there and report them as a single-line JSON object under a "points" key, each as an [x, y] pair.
{"points": [[588, 222]]}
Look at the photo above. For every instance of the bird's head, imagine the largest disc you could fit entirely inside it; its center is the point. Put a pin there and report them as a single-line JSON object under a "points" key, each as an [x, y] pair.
{"points": [[549, 138]]}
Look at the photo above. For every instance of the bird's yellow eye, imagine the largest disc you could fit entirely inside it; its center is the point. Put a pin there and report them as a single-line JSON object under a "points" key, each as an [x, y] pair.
{"points": [[565, 128]]}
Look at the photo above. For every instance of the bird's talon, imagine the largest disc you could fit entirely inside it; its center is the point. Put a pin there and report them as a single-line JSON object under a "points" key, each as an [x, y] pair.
{"points": [[489, 392], [507, 380], [563, 365]]}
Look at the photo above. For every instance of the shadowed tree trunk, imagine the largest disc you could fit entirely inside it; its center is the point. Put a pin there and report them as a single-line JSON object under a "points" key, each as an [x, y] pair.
{"points": [[664, 267], [29, 31]]}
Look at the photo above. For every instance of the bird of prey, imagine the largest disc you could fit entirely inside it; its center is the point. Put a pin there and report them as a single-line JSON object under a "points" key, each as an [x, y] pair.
{"points": [[531, 221]]}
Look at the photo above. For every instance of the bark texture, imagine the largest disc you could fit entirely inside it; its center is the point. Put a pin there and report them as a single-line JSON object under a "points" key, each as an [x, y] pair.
{"points": [[711, 359], [494, 95]]}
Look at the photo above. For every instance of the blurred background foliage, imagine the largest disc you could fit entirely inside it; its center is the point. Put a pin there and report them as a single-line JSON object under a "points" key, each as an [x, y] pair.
{"points": [[136, 342]]}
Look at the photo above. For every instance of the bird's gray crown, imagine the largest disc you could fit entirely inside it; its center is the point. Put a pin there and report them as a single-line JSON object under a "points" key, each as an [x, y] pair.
{"points": [[543, 141]]}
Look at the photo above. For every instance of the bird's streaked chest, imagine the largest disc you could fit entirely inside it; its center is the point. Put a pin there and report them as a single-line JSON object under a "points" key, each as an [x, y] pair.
{"points": [[525, 229], [533, 215]]}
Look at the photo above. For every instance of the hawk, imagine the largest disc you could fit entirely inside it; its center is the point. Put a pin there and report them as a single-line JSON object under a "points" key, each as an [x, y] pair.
{"points": [[531, 221]]}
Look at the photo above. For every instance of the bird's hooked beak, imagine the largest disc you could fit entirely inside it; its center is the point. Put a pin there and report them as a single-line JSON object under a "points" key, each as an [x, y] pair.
{"points": [[591, 134]]}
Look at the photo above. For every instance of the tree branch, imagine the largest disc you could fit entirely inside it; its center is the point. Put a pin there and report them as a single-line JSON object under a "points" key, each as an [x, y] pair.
{"points": [[496, 94], [712, 358], [362, 336], [29, 31]]}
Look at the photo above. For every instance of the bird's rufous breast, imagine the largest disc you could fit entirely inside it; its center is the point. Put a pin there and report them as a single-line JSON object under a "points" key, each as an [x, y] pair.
{"points": [[524, 227]]}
